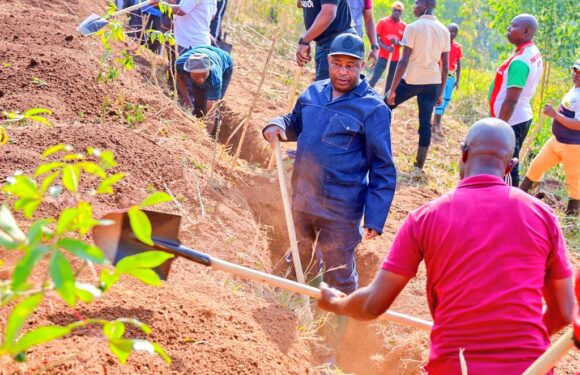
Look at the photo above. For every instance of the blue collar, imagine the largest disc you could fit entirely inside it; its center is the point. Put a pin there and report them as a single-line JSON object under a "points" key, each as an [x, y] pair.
{"points": [[359, 91]]}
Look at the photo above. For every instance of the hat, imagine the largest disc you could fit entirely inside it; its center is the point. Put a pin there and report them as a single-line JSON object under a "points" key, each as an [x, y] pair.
{"points": [[348, 44], [576, 65], [398, 5], [198, 63]]}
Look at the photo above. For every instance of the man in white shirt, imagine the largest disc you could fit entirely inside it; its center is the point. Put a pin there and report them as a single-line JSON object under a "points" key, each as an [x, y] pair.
{"points": [[426, 42]]}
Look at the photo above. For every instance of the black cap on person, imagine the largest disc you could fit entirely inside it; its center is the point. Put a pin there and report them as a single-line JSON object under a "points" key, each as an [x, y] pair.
{"points": [[348, 44]]}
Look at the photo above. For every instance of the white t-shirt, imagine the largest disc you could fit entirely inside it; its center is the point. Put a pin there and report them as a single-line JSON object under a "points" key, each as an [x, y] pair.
{"points": [[524, 71], [428, 38], [192, 29]]}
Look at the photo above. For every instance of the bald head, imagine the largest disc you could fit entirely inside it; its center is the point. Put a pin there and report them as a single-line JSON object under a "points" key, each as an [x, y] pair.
{"points": [[522, 29], [489, 147]]}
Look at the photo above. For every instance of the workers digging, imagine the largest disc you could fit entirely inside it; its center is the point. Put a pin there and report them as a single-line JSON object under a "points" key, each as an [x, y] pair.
{"points": [[422, 70], [344, 165], [491, 252], [516, 81], [203, 76], [564, 146]]}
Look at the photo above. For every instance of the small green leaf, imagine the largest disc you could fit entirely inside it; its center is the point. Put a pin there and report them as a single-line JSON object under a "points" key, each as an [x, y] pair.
{"points": [[146, 275], [114, 330], [87, 292], [40, 336], [107, 279], [63, 277], [37, 111], [37, 231], [48, 167], [159, 350], [106, 185], [83, 250], [107, 159], [73, 157], [17, 318], [142, 326], [156, 198], [65, 220], [54, 149], [140, 225], [28, 206], [148, 259], [26, 264], [23, 187], [121, 348], [47, 182], [7, 242], [93, 169], [9, 226], [70, 177]]}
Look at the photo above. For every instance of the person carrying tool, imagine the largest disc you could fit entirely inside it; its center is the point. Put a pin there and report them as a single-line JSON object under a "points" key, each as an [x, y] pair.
{"points": [[344, 165], [422, 70], [203, 76], [455, 55], [487, 275], [516, 81], [564, 146], [389, 33], [142, 20], [324, 20], [216, 22]]}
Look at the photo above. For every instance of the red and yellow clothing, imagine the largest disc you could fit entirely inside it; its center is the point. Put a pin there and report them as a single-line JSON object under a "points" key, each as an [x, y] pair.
{"points": [[387, 29], [455, 54]]}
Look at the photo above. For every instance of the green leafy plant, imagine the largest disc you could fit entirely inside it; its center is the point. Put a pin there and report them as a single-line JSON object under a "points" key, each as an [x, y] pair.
{"points": [[15, 117], [38, 81], [57, 247]]}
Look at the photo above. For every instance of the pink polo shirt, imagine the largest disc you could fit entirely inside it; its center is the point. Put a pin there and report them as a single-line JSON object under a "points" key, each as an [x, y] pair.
{"points": [[487, 248]]}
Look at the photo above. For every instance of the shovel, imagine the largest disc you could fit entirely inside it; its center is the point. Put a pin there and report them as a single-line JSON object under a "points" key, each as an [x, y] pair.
{"points": [[118, 241], [94, 22]]}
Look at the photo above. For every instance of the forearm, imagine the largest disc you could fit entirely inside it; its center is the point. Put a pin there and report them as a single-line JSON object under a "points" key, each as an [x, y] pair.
{"points": [[355, 305], [321, 23], [507, 110], [570, 123], [399, 72], [554, 321], [444, 76], [370, 26], [458, 72], [182, 88], [382, 44]]}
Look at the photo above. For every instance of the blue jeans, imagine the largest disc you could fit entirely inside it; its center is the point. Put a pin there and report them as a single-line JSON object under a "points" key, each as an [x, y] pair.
{"points": [[334, 252], [426, 98], [449, 87], [321, 55], [378, 72]]}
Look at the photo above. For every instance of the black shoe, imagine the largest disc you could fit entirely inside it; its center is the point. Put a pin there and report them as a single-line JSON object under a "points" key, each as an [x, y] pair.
{"points": [[573, 207], [527, 185], [421, 157]]}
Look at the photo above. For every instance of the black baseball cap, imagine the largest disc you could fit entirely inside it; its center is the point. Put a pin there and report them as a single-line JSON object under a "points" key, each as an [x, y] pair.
{"points": [[348, 44]]}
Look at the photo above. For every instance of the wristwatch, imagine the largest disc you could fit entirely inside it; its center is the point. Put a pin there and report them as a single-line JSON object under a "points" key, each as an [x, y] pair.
{"points": [[303, 42], [375, 47]]}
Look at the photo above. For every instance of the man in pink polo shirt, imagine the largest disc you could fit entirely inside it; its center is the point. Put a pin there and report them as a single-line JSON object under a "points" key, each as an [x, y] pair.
{"points": [[491, 252]]}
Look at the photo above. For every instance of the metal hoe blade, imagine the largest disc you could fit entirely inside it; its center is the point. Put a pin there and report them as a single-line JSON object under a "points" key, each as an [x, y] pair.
{"points": [[92, 24]]}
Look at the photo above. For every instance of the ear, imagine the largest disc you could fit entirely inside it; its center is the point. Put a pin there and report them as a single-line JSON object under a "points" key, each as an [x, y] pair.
{"points": [[512, 164], [464, 152], [363, 64]]}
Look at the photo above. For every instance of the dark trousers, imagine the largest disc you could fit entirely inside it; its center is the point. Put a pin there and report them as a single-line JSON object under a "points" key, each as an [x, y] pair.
{"points": [[139, 27], [426, 98], [215, 28], [378, 72], [335, 250], [520, 131]]}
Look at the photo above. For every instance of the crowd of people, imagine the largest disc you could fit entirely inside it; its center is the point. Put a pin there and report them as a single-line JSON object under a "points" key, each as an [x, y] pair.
{"points": [[499, 281]]}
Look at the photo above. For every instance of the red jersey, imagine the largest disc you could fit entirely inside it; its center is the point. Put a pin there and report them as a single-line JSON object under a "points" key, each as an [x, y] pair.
{"points": [[488, 249], [455, 54], [387, 29]]}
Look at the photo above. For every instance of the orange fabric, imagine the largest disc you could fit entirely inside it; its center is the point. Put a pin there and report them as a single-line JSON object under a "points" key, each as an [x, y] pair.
{"points": [[554, 153], [387, 29]]}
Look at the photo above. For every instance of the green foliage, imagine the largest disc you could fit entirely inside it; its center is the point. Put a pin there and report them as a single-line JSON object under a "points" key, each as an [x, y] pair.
{"points": [[57, 247]]}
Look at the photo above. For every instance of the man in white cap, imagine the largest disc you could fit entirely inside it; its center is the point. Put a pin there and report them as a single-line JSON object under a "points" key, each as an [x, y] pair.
{"points": [[203, 76]]}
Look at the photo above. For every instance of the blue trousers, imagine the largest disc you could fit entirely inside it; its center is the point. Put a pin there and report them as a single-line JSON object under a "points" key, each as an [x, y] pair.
{"points": [[447, 93], [335, 250], [426, 98], [378, 72]]}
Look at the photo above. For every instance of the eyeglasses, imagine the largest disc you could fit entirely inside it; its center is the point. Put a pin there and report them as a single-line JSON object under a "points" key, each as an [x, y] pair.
{"points": [[349, 68]]}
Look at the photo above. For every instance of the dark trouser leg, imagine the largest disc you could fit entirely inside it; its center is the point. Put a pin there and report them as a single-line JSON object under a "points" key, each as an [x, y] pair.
{"points": [[135, 25], [321, 61], [154, 23], [199, 96], [378, 71], [216, 23], [426, 100], [337, 242], [404, 93], [306, 233], [390, 76], [520, 131]]}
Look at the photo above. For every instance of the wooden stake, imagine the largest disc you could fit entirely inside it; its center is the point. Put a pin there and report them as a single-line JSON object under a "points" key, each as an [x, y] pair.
{"points": [[388, 71], [256, 97], [551, 356]]}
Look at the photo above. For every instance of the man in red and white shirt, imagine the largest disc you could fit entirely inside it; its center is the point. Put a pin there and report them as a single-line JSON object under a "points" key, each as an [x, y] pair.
{"points": [[492, 253], [516, 82], [455, 55], [390, 32]]}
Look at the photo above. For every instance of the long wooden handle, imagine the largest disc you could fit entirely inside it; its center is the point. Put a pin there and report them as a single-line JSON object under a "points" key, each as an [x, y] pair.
{"points": [[288, 214], [131, 8], [551, 356], [388, 70], [292, 286]]}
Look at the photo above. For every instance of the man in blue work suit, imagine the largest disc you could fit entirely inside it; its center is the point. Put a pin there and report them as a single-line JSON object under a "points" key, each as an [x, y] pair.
{"points": [[344, 166]]}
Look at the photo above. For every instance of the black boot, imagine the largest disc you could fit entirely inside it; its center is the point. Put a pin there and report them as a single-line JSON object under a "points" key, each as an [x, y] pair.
{"points": [[421, 157], [573, 207], [527, 185]]}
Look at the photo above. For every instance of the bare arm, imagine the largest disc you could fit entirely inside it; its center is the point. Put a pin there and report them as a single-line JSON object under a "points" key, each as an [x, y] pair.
{"points": [[366, 303], [183, 91], [370, 26], [444, 74], [559, 297], [458, 73], [509, 104], [570, 123], [401, 68], [323, 20]]}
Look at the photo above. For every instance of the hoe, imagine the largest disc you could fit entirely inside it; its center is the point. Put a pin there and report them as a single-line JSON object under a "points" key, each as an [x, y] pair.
{"points": [[94, 22], [118, 241]]}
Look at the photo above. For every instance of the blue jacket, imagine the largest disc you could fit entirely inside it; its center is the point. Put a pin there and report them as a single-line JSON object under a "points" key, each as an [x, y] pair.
{"points": [[344, 165]]}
